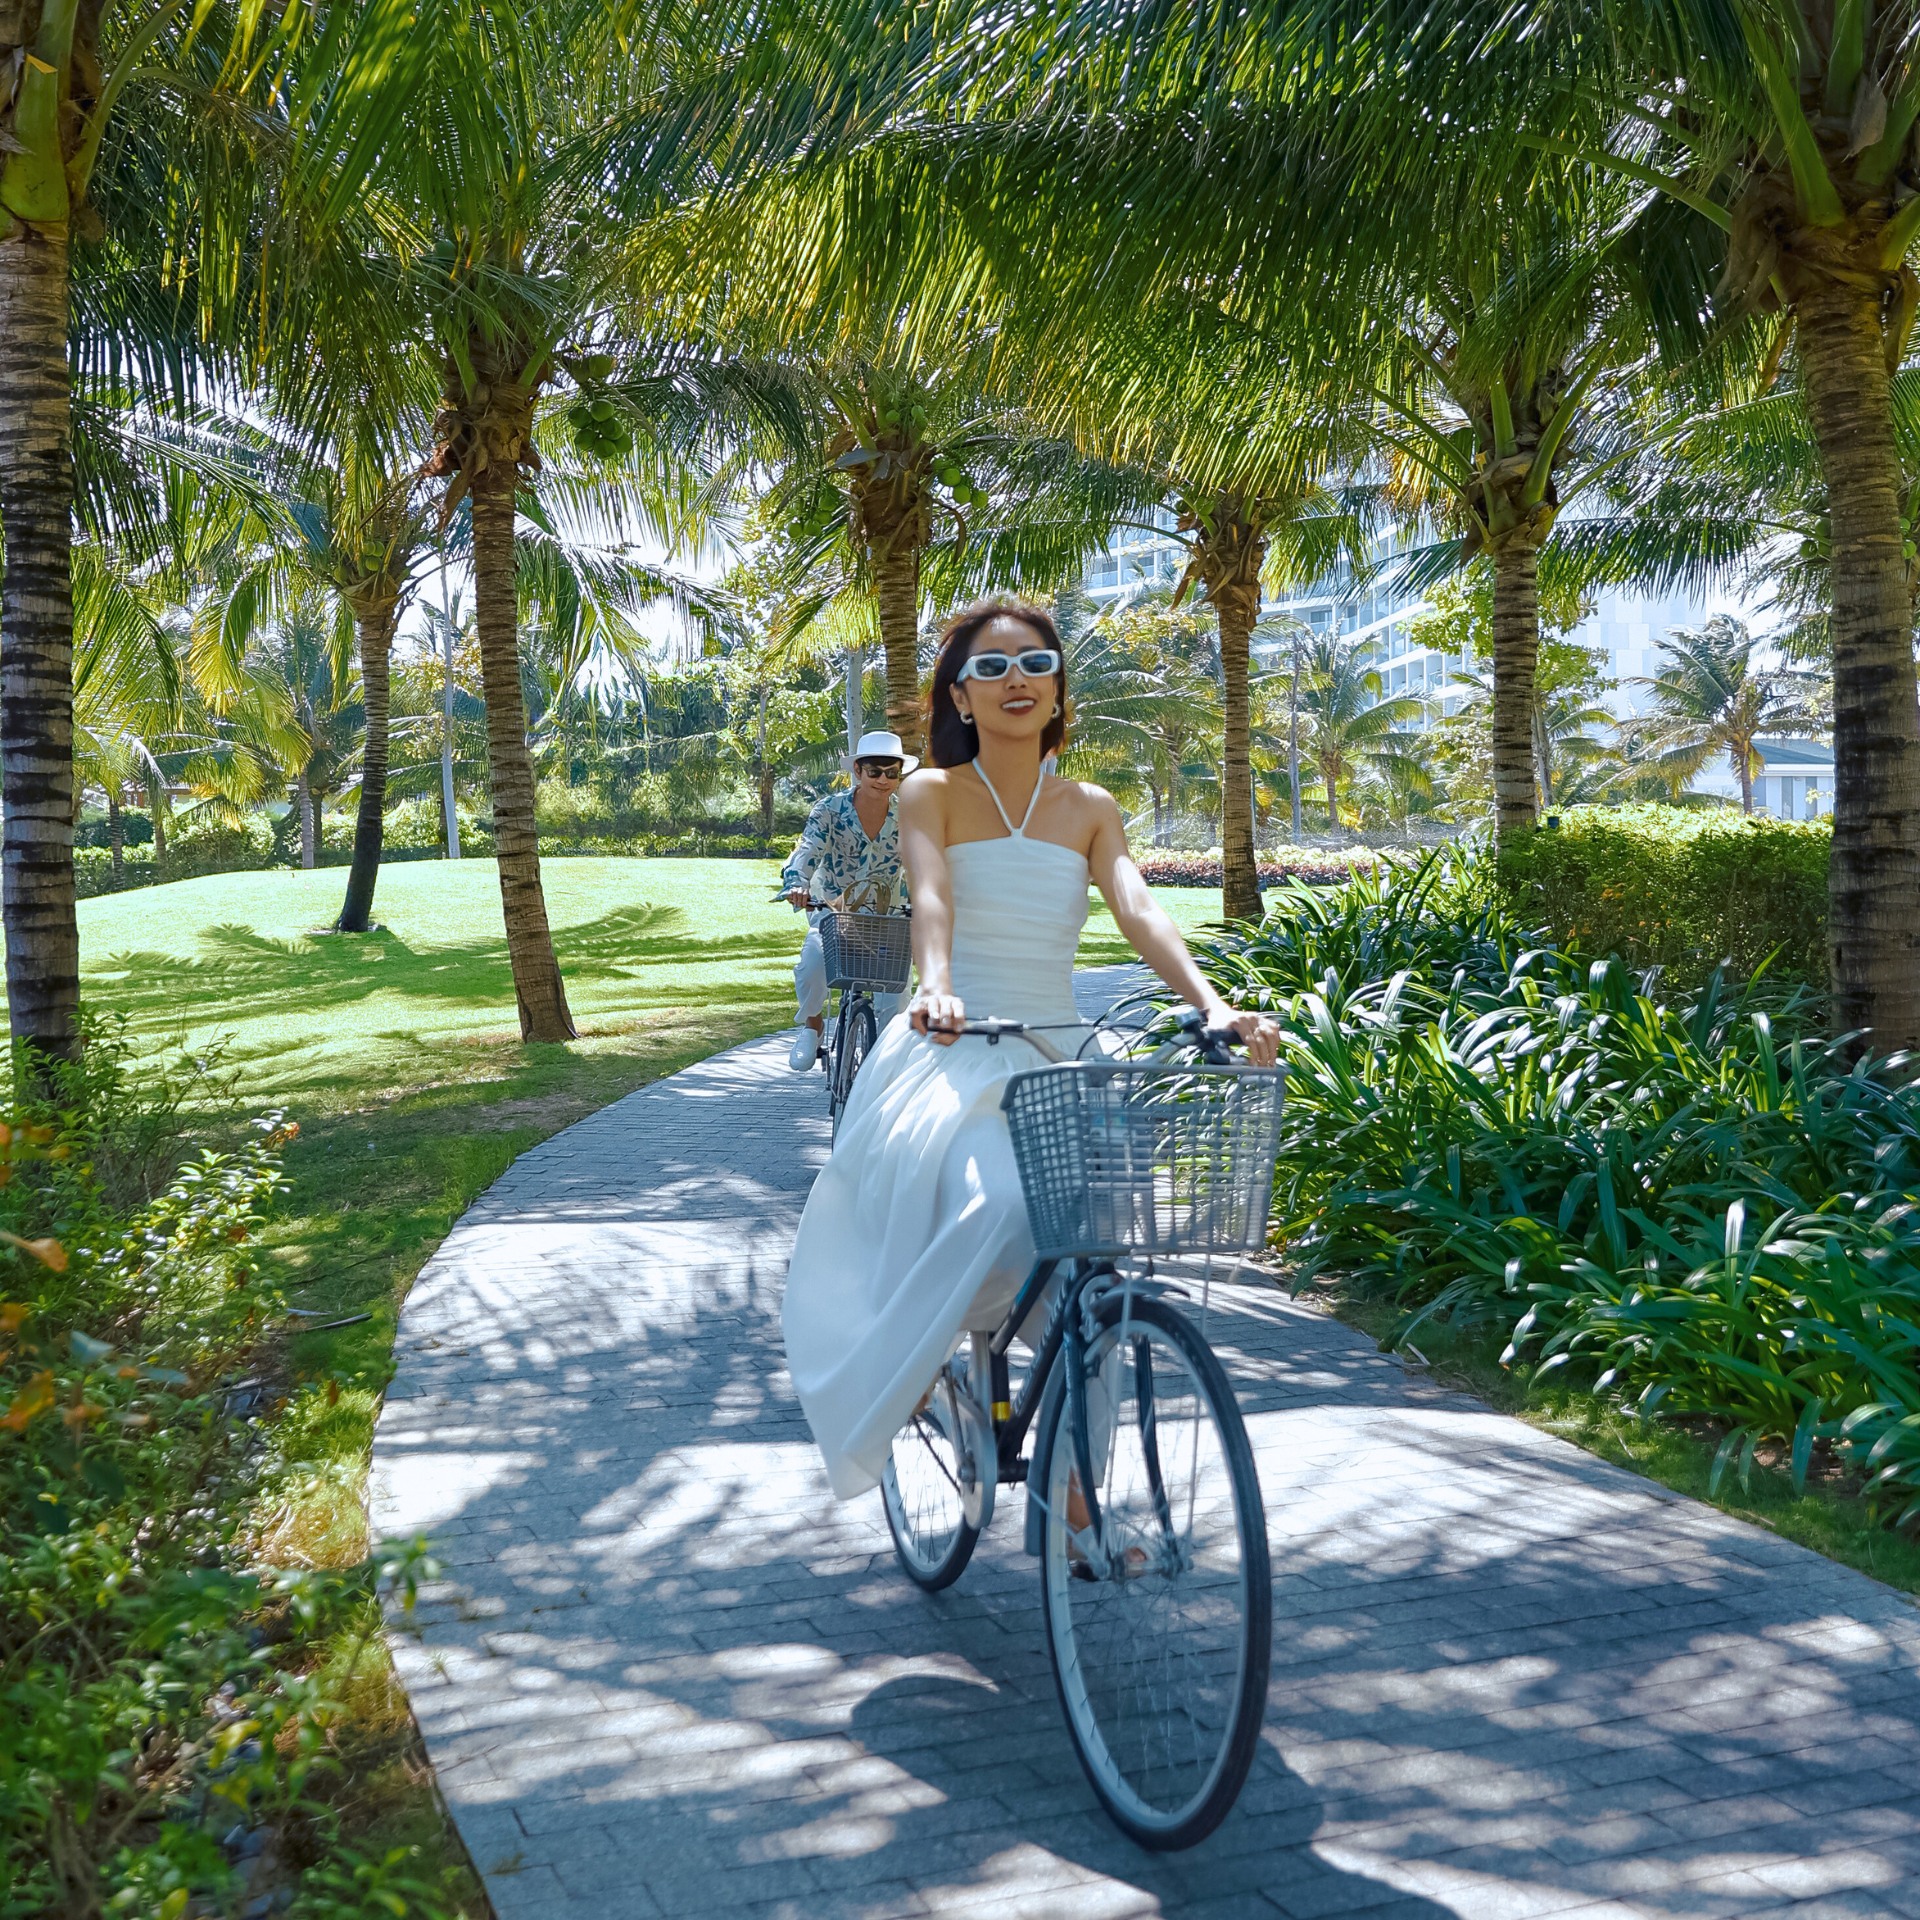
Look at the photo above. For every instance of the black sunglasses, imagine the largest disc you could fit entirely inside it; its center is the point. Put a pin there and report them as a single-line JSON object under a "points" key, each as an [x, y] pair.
{"points": [[884, 769]]}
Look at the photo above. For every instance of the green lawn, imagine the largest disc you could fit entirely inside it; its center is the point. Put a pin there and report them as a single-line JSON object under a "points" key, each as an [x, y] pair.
{"points": [[308, 1016], [312, 1019]]}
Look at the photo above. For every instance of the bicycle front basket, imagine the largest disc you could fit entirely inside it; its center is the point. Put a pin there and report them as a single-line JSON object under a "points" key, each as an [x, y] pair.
{"points": [[1122, 1158], [870, 950]]}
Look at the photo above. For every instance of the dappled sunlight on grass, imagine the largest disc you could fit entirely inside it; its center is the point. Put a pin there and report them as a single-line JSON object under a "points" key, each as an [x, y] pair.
{"points": [[243, 960]]}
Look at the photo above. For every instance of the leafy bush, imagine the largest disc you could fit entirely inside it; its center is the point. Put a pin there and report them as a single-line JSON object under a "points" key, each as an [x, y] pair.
{"points": [[1679, 889], [1162, 867], [93, 872], [1701, 1204], [157, 1688], [96, 830], [413, 827], [200, 843]]}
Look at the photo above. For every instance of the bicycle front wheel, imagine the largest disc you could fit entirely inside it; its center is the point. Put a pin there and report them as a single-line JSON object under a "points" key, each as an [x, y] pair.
{"points": [[1160, 1623], [858, 1031]]}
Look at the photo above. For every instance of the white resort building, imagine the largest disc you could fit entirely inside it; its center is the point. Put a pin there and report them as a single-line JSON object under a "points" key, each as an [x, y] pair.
{"points": [[1626, 628]]}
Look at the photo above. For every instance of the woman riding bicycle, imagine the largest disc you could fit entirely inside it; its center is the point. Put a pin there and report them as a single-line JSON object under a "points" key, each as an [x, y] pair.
{"points": [[848, 855], [916, 1230]]}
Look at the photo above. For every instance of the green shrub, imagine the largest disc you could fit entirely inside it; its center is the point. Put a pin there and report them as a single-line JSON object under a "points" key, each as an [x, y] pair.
{"points": [[199, 843], [1678, 889], [158, 1687], [1696, 1202], [93, 871], [95, 830]]}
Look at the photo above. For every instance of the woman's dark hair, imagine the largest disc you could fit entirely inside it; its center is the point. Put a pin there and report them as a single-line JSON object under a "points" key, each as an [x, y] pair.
{"points": [[950, 741]]}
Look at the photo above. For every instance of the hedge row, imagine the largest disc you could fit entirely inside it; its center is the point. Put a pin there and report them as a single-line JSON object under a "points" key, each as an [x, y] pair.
{"points": [[1161, 867], [94, 875], [1678, 889]]}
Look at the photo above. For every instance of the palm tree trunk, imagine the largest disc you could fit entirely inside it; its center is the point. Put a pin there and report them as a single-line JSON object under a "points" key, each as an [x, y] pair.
{"points": [[305, 794], [116, 833], [896, 590], [1238, 608], [1874, 879], [157, 806], [537, 986], [766, 774], [1743, 770], [449, 800], [374, 618], [1293, 745], [36, 647], [1516, 653]]}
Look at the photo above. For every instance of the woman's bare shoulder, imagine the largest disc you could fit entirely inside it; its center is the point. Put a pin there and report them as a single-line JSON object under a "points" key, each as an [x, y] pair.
{"points": [[1093, 802], [924, 796]]}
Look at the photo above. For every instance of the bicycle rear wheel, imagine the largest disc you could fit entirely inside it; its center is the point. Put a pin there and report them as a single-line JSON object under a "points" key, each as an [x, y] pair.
{"points": [[858, 1031], [1161, 1629], [932, 1485]]}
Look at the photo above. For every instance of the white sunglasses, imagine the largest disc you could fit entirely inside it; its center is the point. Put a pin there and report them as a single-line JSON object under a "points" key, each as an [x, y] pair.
{"points": [[1035, 662]]}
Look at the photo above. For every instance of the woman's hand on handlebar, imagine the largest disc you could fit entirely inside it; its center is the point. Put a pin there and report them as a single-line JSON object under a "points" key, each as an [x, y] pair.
{"points": [[940, 1016], [797, 897], [1258, 1034]]}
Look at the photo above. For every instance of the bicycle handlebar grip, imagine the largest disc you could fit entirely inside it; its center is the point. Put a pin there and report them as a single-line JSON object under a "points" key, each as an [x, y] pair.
{"points": [[1215, 1043]]}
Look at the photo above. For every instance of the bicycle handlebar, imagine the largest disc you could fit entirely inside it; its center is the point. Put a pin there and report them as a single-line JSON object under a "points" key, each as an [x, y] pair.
{"points": [[1214, 1044], [904, 910]]}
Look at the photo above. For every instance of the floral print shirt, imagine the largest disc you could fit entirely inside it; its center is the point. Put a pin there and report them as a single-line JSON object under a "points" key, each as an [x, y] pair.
{"points": [[835, 859]]}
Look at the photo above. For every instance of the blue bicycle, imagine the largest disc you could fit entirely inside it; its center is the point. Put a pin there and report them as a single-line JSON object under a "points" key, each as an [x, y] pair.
{"points": [[1143, 1504]]}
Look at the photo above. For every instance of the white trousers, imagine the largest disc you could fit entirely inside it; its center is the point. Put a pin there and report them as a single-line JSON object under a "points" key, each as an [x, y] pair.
{"points": [[810, 984]]}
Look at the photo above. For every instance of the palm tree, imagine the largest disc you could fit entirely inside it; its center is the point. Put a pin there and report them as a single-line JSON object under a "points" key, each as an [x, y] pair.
{"points": [[1779, 135], [1567, 720], [358, 532], [533, 161], [1523, 409], [934, 485], [177, 191], [1348, 722], [309, 653], [1240, 448], [1146, 702], [126, 682], [1710, 698]]}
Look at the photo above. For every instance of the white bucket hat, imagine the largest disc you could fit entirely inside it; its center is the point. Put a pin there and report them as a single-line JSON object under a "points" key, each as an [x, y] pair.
{"points": [[881, 746]]}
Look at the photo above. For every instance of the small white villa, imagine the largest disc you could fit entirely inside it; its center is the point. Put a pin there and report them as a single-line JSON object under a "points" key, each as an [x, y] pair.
{"points": [[1795, 781]]}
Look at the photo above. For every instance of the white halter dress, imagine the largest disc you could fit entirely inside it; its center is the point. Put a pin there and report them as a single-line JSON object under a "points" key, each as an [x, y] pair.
{"points": [[916, 1228]]}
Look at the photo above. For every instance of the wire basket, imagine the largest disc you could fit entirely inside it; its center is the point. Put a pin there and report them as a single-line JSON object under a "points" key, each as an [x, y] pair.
{"points": [[1120, 1158], [870, 950]]}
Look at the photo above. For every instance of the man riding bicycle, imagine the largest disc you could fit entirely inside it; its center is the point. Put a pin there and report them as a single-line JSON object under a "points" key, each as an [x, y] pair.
{"points": [[848, 854]]}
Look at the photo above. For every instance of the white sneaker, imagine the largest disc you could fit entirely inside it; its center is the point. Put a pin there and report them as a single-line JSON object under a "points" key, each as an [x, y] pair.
{"points": [[806, 1049]]}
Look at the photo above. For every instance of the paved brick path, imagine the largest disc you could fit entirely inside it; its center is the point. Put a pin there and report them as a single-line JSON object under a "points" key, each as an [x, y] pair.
{"points": [[668, 1676]]}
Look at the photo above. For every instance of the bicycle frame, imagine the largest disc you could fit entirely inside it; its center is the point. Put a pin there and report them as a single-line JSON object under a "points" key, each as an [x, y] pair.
{"points": [[1062, 1343]]}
